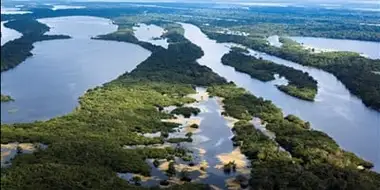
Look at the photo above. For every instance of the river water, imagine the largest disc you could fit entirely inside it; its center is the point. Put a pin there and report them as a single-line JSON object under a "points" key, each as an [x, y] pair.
{"points": [[211, 146], [365, 48], [8, 34], [49, 83], [12, 11], [150, 33], [335, 111]]}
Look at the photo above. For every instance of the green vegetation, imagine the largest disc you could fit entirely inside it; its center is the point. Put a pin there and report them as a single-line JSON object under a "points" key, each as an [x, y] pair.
{"points": [[229, 167], [185, 175], [171, 170], [44, 176], [315, 160], [85, 147], [16, 51], [186, 111], [357, 73], [300, 85], [127, 36], [136, 180], [89, 140], [179, 140], [257, 21], [267, 21], [6, 98], [242, 105], [156, 163], [194, 126]]}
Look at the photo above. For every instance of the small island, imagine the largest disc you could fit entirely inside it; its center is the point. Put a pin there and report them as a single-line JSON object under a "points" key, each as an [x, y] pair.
{"points": [[301, 85], [6, 98], [186, 111]]}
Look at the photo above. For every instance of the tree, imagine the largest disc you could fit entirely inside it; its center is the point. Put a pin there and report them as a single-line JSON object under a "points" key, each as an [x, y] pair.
{"points": [[136, 180], [189, 135], [171, 170]]}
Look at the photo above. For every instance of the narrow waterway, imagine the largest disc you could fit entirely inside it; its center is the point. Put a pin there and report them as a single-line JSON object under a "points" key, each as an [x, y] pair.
{"points": [[150, 33], [211, 147], [365, 48], [335, 111], [49, 83], [8, 34]]}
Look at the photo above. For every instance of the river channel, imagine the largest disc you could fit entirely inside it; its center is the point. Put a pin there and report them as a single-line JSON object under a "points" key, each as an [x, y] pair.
{"points": [[343, 116]]}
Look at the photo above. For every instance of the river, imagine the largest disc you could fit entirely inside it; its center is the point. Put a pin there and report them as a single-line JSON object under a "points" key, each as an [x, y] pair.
{"points": [[8, 34], [365, 48], [211, 146], [150, 33], [49, 83], [335, 111]]}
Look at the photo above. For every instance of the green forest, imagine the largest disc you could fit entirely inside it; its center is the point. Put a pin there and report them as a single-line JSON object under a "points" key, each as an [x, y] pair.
{"points": [[357, 73], [87, 144], [301, 85], [16, 51], [85, 148], [312, 161]]}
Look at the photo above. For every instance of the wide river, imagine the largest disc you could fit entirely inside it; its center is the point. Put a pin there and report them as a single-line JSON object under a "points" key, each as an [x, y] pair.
{"points": [[49, 83], [335, 111]]}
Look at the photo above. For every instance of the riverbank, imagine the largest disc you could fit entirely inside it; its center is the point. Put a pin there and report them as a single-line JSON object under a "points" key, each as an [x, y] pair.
{"points": [[87, 144], [300, 85], [16, 51], [289, 132], [108, 117], [346, 66]]}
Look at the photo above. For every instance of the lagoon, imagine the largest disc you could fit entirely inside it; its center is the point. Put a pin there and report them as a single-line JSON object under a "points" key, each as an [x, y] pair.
{"points": [[49, 83]]}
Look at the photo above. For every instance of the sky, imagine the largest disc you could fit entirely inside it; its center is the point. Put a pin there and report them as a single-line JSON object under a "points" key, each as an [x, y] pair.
{"points": [[262, 1]]}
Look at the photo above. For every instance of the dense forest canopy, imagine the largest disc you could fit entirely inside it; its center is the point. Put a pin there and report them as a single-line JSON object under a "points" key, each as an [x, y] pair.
{"points": [[300, 84], [357, 73], [85, 147]]}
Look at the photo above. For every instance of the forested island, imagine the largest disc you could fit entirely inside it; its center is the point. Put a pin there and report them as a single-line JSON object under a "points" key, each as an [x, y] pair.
{"points": [[16, 51], [89, 147], [314, 155], [89, 140], [301, 85], [357, 73]]}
